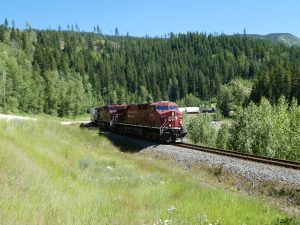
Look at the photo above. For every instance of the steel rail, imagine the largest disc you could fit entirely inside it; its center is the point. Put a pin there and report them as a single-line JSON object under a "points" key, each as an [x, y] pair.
{"points": [[246, 156]]}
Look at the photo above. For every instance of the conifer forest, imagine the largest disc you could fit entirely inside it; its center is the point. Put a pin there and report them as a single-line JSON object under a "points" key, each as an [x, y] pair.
{"points": [[67, 72]]}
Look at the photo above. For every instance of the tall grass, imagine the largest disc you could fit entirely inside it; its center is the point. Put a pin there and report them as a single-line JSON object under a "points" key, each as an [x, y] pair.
{"points": [[52, 174]]}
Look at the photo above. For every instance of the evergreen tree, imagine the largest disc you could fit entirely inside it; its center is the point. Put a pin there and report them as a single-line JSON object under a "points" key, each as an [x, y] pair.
{"points": [[98, 30], [6, 22], [116, 32]]}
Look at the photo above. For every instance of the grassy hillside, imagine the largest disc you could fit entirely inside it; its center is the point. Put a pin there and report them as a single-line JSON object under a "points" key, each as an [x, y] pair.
{"points": [[280, 38], [51, 174]]}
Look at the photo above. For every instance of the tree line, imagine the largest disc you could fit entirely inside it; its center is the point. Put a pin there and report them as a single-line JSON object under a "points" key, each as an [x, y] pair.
{"points": [[66, 72]]}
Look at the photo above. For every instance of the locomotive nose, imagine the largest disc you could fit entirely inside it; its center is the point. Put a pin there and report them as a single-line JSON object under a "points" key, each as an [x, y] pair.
{"points": [[172, 119]]}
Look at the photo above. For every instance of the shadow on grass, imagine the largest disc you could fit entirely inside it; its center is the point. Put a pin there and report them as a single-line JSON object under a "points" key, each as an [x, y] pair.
{"points": [[129, 144]]}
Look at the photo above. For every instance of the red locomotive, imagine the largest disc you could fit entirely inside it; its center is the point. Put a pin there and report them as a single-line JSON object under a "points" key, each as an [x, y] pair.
{"points": [[160, 121]]}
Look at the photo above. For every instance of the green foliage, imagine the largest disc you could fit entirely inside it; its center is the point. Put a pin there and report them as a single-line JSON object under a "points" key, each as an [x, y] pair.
{"points": [[224, 99], [218, 116], [77, 98], [223, 136], [233, 95], [257, 129], [294, 132], [189, 101], [279, 77], [267, 130], [200, 130], [123, 69], [145, 96]]}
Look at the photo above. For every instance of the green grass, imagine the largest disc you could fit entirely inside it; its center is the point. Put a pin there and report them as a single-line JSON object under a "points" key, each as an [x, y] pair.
{"points": [[53, 174]]}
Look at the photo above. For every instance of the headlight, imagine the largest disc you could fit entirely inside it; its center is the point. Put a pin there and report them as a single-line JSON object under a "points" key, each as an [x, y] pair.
{"points": [[170, 125]]}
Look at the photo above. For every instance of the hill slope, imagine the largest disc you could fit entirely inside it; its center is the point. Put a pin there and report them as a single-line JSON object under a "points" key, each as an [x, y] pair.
{"points": [[64, 73], [52, 174], [278, 38]]}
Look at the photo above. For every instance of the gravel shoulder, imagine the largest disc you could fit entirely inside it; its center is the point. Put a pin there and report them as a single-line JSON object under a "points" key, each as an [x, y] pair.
{"points": [[255, 172], [188, 159]]}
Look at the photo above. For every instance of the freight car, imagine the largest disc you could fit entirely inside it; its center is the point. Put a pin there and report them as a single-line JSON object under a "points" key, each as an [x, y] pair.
{"points": [[161, 121]]}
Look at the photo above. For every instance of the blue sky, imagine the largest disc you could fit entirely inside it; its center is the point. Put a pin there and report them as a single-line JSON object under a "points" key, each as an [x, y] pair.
{"points": [[158, 17]]}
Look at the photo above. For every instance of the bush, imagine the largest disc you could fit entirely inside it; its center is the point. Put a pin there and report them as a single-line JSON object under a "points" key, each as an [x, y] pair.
{"points": [[223, 136], [200, 130], [189, 101], [233, 95], [218, 116], [267, 130]]}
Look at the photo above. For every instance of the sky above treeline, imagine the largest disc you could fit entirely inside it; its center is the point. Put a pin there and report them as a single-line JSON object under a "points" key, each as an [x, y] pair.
{"points": [[157, 17]]}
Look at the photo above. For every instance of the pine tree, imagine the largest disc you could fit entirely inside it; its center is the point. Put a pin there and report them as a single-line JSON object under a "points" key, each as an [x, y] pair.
{"points": [[2, 33], [116, 32], [6, 22], [98, 29]]}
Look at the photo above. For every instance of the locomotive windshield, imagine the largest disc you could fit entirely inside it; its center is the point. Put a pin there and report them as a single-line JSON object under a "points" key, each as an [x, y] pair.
{"points": [[174, 107], [165, 107]]}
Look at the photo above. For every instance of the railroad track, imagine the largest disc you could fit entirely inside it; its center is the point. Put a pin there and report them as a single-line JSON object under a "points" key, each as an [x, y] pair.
{"points": [[250, 157]]}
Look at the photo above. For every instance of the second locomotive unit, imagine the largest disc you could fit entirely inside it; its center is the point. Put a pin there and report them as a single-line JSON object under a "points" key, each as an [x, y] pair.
{"points": [[161, 121]]}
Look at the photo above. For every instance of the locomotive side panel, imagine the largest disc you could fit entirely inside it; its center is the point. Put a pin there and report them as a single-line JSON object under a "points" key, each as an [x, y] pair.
{"points": [[138, 115]]}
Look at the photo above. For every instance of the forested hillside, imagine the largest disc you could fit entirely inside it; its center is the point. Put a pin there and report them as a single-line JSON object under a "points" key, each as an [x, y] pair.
{"points": [[66, 72]]}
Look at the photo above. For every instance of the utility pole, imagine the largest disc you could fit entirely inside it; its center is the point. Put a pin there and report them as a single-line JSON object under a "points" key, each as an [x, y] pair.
{"points": [[4, 97]]}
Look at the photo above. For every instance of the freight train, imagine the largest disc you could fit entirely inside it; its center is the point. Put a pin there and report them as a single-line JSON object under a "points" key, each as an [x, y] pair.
{"points": [[161, 121]]}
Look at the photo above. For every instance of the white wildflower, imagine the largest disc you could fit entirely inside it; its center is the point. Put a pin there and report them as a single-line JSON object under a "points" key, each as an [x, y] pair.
{"points": [[171, 209]]}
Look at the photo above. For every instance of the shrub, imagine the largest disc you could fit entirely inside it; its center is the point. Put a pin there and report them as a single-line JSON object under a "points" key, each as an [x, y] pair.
{"points": [[200, 130], [267, 130], [223, 136]]}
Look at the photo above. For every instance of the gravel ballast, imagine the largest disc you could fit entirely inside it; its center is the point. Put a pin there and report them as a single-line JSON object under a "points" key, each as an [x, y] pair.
{"points": [[255, 172]]}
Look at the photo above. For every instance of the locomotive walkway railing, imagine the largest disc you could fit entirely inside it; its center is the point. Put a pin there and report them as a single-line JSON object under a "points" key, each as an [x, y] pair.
{"points": [[112, 122], [161, 129]]}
